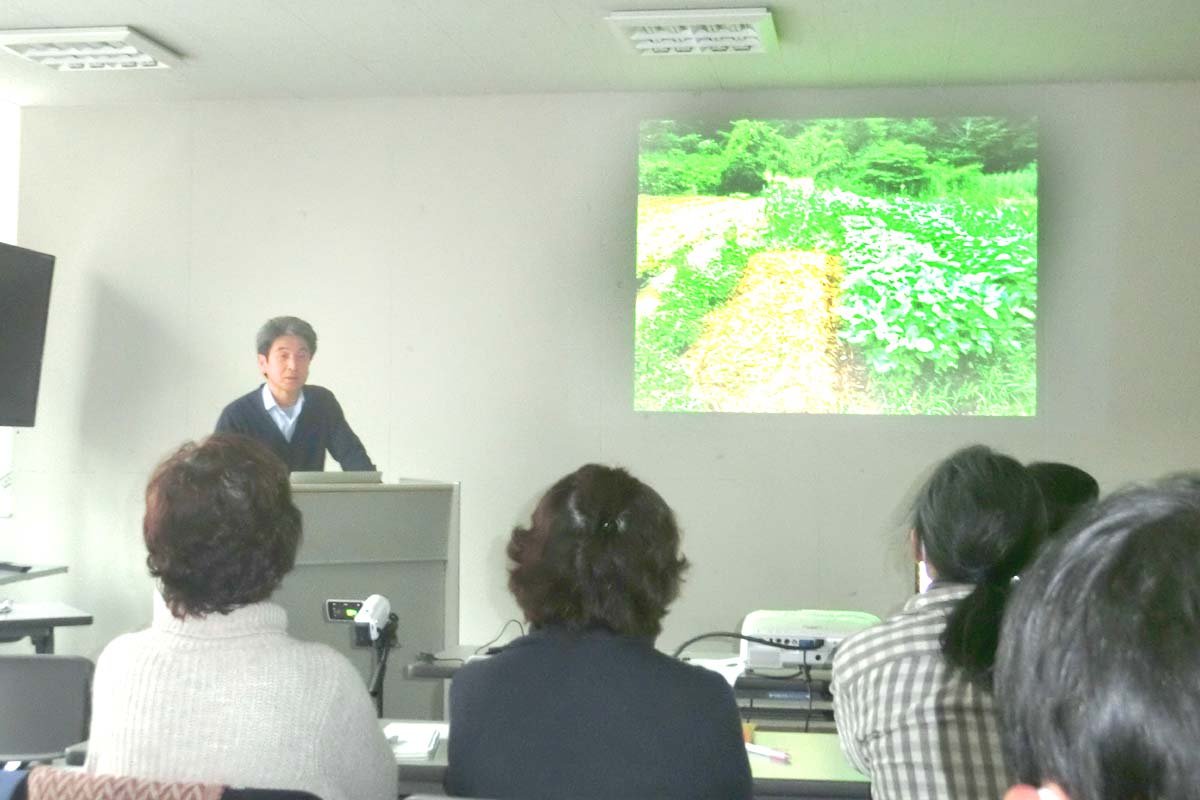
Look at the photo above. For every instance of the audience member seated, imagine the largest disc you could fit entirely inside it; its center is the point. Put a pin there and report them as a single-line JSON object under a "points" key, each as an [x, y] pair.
{"points": [[1066, 490], [1099, 660], [912, 696], [585, 706], [215, 690]]}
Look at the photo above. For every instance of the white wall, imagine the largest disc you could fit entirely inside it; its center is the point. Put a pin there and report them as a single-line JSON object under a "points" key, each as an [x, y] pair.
{"points": [[468, 263], [10, 159]]}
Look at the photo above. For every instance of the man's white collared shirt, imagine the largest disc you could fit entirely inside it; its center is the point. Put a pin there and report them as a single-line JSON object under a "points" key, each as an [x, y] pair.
{"points": [[285, 418]]}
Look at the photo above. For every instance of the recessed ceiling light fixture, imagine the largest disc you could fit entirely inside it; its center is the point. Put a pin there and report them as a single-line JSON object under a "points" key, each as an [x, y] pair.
{"points": [[709, 31], [87, 49]]}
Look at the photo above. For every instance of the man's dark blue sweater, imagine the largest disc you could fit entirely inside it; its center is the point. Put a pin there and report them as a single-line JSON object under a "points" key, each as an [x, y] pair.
{"points": [[321, 426]]}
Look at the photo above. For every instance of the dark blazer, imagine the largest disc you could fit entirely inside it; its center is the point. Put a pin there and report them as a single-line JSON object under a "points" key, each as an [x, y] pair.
{"points": [[322, 426], [558, 714]]}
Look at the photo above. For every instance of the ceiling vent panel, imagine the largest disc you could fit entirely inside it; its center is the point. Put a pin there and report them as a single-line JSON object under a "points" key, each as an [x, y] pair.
{"points": [[696, 32], [88, 49]]}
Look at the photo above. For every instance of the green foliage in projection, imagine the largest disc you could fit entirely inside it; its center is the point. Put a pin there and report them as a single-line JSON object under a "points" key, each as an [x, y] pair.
{"points": [[679, 159], [753, 149], [997, 145], [930, 287], [934, 224], [894, 167], [675, 173], [820, 153], [660, 382], [921, 158]]}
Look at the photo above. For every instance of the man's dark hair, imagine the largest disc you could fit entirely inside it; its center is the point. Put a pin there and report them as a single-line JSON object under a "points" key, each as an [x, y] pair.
{"points": [[1066, 490], [275, 327], [220, 527], [1098, 674], [980, 520], [603, 550]]}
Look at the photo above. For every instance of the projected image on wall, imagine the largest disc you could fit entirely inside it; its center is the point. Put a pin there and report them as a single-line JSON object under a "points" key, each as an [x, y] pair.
{"points": [[838, 266]]}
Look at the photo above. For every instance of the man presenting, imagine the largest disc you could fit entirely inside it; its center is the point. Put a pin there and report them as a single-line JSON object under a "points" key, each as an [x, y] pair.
{"points": [[298, 422]]}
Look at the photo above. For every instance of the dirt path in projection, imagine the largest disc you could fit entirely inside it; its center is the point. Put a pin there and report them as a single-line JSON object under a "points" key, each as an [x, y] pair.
{"points": [[666, 224], [773, 345]]}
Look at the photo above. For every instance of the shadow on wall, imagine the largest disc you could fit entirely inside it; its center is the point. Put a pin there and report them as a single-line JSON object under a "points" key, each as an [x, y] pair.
{"points": [[130, 412], [499, 598], [134, 381]]}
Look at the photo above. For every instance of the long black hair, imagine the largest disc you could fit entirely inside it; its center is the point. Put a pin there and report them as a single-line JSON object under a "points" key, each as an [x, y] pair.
{"points": [[1098, 674], [980, 519], [1066, 489]]}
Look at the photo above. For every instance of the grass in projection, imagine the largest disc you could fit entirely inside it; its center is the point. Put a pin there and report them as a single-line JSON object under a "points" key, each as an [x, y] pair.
{"points": [[859, 266]]}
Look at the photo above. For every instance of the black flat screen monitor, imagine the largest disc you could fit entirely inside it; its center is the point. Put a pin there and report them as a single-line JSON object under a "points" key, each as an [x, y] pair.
{"points": [[25, 278]]}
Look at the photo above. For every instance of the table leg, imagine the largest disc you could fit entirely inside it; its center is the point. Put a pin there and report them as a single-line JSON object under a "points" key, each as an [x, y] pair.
{"points": [[43, 641]]}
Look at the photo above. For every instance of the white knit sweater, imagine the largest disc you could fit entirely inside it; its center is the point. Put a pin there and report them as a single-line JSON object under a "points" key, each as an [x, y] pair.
{"points": [[233, 699]]}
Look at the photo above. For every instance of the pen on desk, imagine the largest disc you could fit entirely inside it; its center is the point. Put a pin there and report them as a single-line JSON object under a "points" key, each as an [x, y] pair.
{"points": [[768, 752]]}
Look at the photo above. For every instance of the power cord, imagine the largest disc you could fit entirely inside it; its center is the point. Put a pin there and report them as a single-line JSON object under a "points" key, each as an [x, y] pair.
{"points": [[380, 649], [430, 658], [803, 649], [496, 638], [807, 670], [811, 644]]}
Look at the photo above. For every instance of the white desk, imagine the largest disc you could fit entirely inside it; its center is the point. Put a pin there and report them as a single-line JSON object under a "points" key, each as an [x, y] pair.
{"points": [[818, 769], [444, 665], [38, 621], [35, 571], [424, 776]]}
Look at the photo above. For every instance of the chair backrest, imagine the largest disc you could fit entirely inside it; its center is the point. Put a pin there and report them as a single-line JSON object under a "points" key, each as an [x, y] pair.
{"points": [[45, 703], [52, 783]]}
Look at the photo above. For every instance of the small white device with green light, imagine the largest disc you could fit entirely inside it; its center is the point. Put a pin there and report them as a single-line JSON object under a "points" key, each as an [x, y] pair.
{"points": [[375, 615], [342, 610], [371, 617]]}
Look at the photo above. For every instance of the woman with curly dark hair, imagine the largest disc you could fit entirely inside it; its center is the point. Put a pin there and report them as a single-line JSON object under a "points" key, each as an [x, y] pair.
{"points": [[215, 690], [584, 706]]}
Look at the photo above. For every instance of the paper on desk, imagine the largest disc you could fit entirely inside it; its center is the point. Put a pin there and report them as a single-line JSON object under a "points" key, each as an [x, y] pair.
{"points": [[413, 739]]}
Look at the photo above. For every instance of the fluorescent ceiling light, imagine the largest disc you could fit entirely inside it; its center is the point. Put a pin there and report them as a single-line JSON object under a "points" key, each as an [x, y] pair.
{"points": [[710, 31], [88, 49]]}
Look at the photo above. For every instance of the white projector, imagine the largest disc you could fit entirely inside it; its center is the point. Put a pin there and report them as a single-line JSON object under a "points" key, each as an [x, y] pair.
{"points": [[818, 632]]}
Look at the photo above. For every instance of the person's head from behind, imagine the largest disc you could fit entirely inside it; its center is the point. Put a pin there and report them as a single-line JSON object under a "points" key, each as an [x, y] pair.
{"points": [[977, 520], [602, 551], [220, 527], [1066, 490], [286, 346], [1098, 674]]}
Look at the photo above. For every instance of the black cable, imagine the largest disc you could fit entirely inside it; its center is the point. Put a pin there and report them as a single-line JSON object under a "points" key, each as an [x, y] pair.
{"points": [[496, 638], [380, 650], [807, 670], [805, 667], [812, 645]]}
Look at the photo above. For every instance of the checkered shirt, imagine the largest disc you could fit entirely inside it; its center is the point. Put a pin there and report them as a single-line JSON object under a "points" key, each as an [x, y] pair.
{"points": [[908, 719]]}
